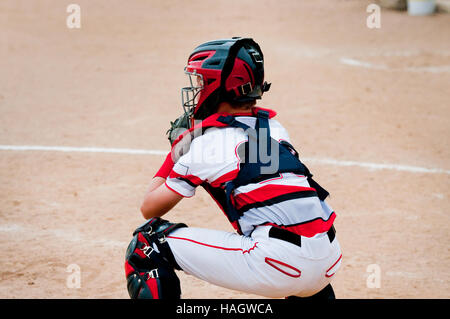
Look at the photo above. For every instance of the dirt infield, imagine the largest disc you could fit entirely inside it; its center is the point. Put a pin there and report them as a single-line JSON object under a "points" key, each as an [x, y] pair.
{"points": [[351, 97]]}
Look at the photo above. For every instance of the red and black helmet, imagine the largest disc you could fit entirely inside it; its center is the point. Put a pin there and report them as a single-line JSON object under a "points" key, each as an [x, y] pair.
{"points": [[223, 70]]}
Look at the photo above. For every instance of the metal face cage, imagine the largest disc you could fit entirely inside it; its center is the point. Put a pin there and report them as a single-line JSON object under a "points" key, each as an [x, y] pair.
{"points": [[190, 94]]}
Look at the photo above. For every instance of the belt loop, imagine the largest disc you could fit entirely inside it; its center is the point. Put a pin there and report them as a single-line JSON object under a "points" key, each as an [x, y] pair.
{"points": [[331, 233], [286, 235]]}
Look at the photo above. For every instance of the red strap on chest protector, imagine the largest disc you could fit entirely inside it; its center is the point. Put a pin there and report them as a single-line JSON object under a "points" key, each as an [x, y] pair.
{"points": [[211, 121]]}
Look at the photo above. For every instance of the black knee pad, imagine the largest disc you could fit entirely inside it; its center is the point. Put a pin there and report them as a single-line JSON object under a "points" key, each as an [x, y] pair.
{"points": [[150, 264], [158, 283]]}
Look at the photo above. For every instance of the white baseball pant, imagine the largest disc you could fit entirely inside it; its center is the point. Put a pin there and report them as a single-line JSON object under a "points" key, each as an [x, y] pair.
{"points": [[257, 264]]}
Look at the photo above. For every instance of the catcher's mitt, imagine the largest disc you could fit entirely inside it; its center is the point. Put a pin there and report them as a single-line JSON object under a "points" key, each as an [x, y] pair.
{"points": [[178, 126]]}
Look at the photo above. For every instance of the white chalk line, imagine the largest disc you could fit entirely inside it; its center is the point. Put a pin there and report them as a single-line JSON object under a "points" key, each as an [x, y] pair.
{"points": [[326, 161], [65, 234], [81, 149], [378, 166], [367, 65]]}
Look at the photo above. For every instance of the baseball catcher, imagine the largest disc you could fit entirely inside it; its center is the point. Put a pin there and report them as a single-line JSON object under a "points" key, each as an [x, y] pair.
{"points": [[285, 243]]}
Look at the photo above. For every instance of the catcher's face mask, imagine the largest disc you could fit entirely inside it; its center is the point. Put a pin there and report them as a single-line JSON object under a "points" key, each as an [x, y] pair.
{"points": [[191, 94]]}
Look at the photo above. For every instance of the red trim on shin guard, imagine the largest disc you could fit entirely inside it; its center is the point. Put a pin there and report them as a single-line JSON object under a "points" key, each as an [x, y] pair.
{"points": [[153, 285], [128, 269]]}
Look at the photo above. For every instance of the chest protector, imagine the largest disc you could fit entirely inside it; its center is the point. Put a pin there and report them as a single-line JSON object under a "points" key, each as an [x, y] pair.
{"points": [[264, 158]]}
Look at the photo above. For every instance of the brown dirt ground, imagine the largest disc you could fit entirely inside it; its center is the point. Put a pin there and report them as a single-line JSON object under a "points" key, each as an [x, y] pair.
{"points": [[115, 83]]}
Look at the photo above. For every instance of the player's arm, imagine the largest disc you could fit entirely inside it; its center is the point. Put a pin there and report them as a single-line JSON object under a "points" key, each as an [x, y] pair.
{"points": [[159, 199]]}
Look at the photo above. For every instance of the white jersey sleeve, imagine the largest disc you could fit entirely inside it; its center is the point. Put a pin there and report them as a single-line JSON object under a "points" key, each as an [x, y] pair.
{"points": [[211, 158], [278, 132]]}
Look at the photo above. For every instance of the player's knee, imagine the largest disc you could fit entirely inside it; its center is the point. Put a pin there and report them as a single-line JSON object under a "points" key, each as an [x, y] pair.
{"points": [[149, 262]]}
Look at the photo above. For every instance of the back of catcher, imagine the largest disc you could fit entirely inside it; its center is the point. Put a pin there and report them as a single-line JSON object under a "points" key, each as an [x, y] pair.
{"points": [[284, 244]]}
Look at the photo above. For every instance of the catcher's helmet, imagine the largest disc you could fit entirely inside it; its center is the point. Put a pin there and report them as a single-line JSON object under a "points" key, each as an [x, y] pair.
{"points": [[223, 70]]}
